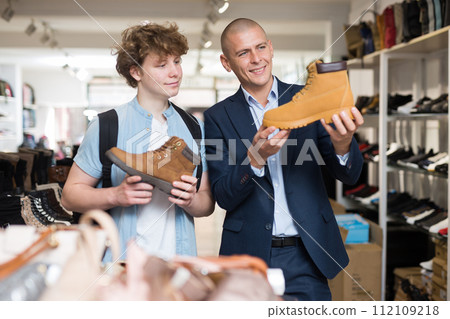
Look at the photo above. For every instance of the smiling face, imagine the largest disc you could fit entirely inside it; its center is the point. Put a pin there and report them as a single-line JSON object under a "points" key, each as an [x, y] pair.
{"points": [[160, 77], [249, 55]]}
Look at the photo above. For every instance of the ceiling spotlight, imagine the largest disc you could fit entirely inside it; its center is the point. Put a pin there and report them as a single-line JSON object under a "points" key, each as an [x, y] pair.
{"points": [[213, 17], [82, 75], [68, 69], [8, 13], [31, 28], [46, 36], [220, 5], [199, 68], [53, 43], [206, 43]]}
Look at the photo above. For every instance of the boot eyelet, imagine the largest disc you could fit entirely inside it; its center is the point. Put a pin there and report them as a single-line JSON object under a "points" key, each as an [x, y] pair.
{"points": [[159, 156], [165, 155], [178, 143], [175, 148]]}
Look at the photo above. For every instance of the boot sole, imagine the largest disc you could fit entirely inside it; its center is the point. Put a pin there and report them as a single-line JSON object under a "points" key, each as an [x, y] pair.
{"points": [[285, 125], [164, 186]]}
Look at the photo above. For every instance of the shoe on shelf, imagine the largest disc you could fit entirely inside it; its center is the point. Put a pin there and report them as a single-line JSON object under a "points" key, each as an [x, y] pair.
{"points": [[362, 101], [426, 106], [443, 160], [443, 231], [442, 168], [432, 159], [438, 226], [160, 167], [401, 153], [412, 220], [371, 106], [432, 219], [428, 265], [326, 92], [394, 101]]}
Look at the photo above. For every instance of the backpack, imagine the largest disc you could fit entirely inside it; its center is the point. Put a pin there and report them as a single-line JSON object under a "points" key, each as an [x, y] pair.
{"points": [[109, 127]]}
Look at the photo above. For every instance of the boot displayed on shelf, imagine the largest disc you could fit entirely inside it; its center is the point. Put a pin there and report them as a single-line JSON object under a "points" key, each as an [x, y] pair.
{"points": [[327, 92], [160, 167]]}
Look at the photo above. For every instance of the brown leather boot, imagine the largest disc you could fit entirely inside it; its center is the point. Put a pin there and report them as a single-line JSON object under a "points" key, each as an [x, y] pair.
{"points": [[160, 167], [327, 92]]}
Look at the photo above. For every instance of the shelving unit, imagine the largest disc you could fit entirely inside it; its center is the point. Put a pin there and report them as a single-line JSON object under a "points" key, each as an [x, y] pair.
{"points": [[417, 49], [11, 107]]}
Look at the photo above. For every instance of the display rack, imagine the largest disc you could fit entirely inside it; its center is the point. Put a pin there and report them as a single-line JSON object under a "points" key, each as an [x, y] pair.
{"points": [[11, 108], [418, 50]]}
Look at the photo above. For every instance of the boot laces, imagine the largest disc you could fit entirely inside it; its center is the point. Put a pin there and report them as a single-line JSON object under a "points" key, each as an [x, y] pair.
{"points": [[308, 83], [166, 149]]}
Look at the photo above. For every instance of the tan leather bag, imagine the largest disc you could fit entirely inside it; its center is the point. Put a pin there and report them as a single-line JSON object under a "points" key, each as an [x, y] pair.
{"points": [[82, 273]]}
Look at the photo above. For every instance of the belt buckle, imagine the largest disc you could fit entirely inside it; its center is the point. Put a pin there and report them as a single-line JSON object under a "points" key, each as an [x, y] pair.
{"points": [[282, 241]]}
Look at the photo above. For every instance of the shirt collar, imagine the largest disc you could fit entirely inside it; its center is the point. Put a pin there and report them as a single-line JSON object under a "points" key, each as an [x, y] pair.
{"points": [[273, 95]]}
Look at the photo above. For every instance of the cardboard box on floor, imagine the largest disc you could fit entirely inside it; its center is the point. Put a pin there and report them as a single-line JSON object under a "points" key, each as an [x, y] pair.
{"points": [[364, 268], [413, 274]]}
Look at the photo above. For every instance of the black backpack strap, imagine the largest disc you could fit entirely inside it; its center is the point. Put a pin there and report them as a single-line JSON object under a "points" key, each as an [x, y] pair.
{"points": [[194, 127], [109, 128]]}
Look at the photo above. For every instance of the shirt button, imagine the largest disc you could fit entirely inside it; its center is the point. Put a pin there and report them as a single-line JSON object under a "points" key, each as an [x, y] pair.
{"points": [[268, 226], [276, 184], [273, 160], [149, 114], [148, 129]]}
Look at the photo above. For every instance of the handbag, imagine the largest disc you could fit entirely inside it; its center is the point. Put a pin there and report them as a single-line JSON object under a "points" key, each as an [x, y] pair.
{"points": [[83, 273]]}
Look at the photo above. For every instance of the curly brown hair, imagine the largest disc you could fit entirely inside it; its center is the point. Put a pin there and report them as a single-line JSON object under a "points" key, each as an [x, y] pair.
{"points": [[141, 40]]}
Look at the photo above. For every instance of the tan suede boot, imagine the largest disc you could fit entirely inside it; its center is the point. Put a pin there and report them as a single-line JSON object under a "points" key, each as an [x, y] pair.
{"points": [[327, 92], [160, 167]]}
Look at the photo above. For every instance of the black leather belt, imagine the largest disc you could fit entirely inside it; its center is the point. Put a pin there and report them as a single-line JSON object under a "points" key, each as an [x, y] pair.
{"points": [[284, 241]]}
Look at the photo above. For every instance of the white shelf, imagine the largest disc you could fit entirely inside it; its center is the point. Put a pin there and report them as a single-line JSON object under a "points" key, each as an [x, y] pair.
{"points": [[425, 44], [380, 61], [12, 107], [6, 100]]}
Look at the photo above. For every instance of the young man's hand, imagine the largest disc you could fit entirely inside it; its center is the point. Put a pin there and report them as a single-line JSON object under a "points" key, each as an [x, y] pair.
{"points": [[132, 192]]}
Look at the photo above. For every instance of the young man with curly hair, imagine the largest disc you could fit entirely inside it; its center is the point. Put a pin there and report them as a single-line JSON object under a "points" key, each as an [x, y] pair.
{"points": [[149, 58]]}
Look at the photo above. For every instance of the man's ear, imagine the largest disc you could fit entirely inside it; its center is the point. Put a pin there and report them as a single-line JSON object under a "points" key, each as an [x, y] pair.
{"points": [[270, 47], [225, 62], [135, 72]]}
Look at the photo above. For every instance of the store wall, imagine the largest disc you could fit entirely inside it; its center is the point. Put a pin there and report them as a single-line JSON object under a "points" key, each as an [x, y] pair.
{"points": [[60, 100]]}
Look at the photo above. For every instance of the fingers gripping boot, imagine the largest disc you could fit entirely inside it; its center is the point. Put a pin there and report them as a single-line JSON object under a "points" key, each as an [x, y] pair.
{"points": [[160, 167], [326, 92]]}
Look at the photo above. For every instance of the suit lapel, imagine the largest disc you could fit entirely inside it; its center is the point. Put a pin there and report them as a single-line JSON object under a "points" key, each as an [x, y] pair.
{"points": [[240, 117], [242, 120]]}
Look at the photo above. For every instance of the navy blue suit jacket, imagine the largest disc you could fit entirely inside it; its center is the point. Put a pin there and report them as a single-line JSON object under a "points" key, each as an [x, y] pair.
{"points": [[247, 228]]}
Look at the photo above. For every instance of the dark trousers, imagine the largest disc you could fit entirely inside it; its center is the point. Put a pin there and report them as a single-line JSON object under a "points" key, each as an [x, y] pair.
{"points": [[303, 279]]}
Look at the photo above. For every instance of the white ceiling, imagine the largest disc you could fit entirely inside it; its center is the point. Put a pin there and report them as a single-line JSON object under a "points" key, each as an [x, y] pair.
{"points": [[87, 29]]}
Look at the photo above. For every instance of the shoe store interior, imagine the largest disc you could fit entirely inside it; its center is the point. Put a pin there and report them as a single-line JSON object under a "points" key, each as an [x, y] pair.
{"points": [[57, 73]]}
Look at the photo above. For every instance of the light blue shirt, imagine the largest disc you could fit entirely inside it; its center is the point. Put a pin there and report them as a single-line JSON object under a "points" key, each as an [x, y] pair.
{"points": [[134, 137], [283, 224]]}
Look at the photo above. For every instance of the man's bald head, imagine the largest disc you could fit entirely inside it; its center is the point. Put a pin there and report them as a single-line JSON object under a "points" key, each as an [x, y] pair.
{"points": [[236, 26]]}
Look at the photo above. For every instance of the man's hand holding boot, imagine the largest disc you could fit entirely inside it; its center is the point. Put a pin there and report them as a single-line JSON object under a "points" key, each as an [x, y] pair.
{"points": [[341, 137]]}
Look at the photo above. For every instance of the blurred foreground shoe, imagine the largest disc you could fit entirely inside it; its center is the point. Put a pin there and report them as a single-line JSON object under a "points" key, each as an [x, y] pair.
{"points": [[327, 92], [160, 167]]}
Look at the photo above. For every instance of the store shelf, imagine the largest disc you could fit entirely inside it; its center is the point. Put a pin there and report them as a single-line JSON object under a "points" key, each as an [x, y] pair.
{"points": [[428, 43], [30, 106], [402, 221], [430, 46], [417, 116], [394, 167], [416, 171], [5, 100]]}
